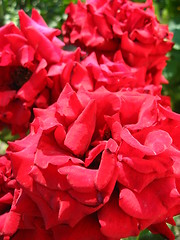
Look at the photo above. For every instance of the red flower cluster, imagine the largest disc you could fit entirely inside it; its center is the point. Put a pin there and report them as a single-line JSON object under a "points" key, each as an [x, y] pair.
{"points": [[107, 26], [103, 161]]}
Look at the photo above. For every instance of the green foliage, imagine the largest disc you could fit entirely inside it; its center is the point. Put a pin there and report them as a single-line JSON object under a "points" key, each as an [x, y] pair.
{"points": [[171, 72], [5, 136], [146, 235], [168, 11], [52, 11], [3, 147]]}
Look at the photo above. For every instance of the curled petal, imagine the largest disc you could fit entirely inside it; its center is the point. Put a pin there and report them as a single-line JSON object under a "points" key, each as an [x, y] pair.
{"points": [[107, 165], [80, 133]]}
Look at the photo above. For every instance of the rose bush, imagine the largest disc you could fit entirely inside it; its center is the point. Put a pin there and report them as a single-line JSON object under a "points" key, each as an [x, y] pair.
{"points": [[32, 77], [108, 26], [26, 55], [101, 159]]}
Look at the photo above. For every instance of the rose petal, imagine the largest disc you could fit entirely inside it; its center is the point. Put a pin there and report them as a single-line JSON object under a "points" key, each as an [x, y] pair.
{"points": [[143, 205], [6, 97], [107, 165], [158, 141], [75, 175], [33, 87], [68, 105], [26, 21], [115, 223], [40, 42], [88, 228], [132, 179], [128, 138], [80, 133]]}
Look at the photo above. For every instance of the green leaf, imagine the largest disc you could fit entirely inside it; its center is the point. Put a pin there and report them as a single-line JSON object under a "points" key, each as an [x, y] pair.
{"points": [[147, 235], [3, 147], [5, 135]]}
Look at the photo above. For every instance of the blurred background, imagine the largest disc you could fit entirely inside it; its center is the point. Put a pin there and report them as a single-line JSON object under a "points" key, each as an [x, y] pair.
{"points": [[167, 12]]}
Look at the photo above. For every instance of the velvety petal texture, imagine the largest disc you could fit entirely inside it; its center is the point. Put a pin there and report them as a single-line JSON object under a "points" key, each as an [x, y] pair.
{"points": [[107, 27], [98, 156], [93, 160], [26, 55]]}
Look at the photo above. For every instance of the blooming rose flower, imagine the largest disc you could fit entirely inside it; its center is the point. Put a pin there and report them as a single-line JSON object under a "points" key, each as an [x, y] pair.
{"points": [[26, 55], [101, 159], [108, 26]]}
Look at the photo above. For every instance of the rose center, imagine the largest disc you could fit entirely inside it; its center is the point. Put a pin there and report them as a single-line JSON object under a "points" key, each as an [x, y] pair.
{"points": [[19, 76], [107, 134]]}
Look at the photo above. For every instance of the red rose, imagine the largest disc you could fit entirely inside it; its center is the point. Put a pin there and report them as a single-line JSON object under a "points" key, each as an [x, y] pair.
{"points": [[26, 55], [108, 26], [106, 158]]}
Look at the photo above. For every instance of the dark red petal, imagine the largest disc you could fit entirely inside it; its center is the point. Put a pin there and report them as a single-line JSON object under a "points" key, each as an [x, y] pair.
{"points": [[6, 97]]}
